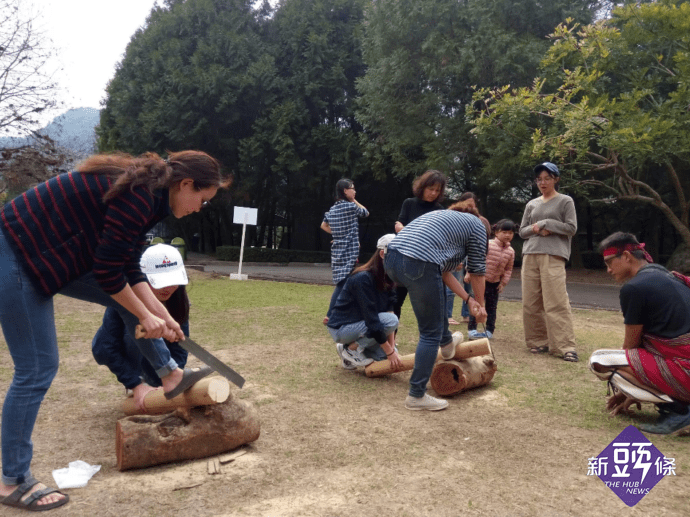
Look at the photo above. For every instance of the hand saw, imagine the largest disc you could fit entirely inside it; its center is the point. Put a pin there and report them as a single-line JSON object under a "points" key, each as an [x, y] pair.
{"points": [[204, 355]]}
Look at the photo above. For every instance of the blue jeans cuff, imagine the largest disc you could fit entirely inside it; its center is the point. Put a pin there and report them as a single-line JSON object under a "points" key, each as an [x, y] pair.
{"points": [[167, 369], [15, 480]]}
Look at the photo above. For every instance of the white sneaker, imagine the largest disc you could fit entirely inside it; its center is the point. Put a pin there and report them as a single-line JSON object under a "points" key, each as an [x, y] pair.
{"points": [[355, 357], [426, 402], [347, 365], [448, 351]]}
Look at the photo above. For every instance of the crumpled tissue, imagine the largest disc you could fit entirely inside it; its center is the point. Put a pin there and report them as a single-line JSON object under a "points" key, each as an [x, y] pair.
{"points": [[77, 475]]}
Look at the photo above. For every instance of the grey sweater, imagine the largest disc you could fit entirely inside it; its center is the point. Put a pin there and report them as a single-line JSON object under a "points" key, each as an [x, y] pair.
{"points": [[556, 215]]}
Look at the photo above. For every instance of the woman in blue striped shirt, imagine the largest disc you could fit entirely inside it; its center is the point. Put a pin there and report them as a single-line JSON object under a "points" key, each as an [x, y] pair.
{"points": [[422, 257], [81, 234]]}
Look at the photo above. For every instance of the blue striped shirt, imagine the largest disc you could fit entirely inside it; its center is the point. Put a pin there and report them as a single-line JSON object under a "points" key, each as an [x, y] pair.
{"points": [[342, 219], [445, 237]]}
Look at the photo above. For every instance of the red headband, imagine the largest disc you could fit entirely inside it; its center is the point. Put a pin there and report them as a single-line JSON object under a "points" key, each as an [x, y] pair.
{"points": [[618, 250]]}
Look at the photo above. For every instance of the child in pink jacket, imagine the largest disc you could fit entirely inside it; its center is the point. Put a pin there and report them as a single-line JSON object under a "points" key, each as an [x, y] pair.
{"points": [[499, 267]]}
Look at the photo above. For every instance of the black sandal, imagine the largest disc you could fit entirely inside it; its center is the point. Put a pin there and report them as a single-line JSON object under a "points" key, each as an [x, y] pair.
{"points": [[571, 357], [539, 349], [31, 503]]}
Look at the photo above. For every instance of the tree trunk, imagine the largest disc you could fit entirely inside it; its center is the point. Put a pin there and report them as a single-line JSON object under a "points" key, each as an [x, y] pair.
{"points": [[451, 377], [144, 441]]}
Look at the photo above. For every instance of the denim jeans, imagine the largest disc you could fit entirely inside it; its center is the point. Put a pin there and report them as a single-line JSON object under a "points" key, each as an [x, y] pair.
{"points": [[428, 298], [28, 325], [357, 332], [450, 297]]}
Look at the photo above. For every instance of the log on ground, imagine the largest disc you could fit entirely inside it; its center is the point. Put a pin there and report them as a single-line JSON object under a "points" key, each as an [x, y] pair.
{"points": [[451, 377], [463, 351], [208, 391], [186, 433]]}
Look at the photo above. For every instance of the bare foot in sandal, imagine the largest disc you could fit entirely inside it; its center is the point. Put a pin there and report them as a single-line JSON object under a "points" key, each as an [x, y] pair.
{"points": [[22, 496]]}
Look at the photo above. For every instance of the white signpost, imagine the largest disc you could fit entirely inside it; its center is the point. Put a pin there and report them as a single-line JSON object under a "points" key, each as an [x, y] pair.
{"points": [[243, 216]]}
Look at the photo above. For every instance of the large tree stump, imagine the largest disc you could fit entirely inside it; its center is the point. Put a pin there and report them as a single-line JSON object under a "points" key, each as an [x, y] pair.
{"points": [[451, 377], [462, 351], [206, 392], [187, 433]]}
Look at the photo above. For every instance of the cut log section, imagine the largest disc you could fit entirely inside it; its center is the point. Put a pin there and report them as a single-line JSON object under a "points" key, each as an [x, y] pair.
{"points": [[187, 433], [462, 351], [451, 377], [207, 391]]}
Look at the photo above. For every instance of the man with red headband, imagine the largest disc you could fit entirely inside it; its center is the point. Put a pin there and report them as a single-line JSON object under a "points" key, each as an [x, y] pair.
{"points": [[654, 364]]}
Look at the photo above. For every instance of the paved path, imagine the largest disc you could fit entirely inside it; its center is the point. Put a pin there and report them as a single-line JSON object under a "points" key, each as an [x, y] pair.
{"points": [[582, 295]]}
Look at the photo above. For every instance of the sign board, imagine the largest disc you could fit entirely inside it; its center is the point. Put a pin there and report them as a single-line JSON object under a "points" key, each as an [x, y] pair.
{"points": [[245, 215]]}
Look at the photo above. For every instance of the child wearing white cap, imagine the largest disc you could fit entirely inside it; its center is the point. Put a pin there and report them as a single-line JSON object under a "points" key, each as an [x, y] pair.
{"points": [[362, 322], [113, 347]]}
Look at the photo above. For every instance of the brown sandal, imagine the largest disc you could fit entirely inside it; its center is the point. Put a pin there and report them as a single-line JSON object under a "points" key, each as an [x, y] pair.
{"points": [[539, 349], [571, 357]]}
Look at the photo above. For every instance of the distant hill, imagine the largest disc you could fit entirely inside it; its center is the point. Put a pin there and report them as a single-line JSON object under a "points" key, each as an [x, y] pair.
{"points": [[73, 130]]}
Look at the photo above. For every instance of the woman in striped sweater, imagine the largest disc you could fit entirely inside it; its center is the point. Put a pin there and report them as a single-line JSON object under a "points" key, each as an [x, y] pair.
{"points": [[422, 257], [81, 234]]}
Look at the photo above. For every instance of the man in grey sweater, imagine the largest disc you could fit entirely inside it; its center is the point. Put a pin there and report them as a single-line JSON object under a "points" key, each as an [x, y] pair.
{"points": [[548, 225]]}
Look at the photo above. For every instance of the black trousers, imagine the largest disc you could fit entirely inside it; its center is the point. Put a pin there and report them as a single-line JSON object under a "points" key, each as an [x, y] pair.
{"points": [[491, 299]]}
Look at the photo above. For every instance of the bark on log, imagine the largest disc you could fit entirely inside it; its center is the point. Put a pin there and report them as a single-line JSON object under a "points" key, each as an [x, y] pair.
{"points": [[451, 377], [207, 391], [187, 433], [462, 351]]}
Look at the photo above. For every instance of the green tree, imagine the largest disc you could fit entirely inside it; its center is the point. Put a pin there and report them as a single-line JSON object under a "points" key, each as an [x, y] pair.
{"points": [[612, 107], [195, 76], [305, 138], [424, 56]]}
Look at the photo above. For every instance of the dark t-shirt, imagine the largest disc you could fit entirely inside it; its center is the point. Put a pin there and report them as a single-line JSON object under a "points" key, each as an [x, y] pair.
{"points": [[658, 301], [413, 207]]}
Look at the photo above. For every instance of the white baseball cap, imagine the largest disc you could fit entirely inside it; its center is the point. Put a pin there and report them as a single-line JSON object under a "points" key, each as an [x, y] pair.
{"points": [[384, 241], [163, 266]]}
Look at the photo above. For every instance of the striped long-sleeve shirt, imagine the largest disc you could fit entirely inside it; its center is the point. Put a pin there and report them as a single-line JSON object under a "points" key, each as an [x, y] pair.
{"points": [[63, 229], [445, 237]]}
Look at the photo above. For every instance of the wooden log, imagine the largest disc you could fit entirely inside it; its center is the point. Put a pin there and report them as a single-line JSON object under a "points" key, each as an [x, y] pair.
{"points": [[472, 349], [187, 433], [451, 377], [462, 351], [207, 391]]}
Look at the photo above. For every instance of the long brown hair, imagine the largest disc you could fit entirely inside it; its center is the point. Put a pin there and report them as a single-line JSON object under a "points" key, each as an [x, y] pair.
{"points": [[151, 170], [464, 207], [375, 267]]}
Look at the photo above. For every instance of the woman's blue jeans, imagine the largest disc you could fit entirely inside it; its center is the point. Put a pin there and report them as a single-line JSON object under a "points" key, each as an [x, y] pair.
{"points": [[428, 298], [28, 325], [357, 332]]}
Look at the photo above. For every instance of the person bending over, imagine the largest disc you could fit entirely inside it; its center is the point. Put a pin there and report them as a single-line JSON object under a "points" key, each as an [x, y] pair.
{"points": [[654, 363]]}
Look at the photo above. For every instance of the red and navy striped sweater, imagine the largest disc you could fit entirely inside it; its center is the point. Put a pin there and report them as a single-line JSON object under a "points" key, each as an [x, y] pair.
{"points": [[63, 229]]}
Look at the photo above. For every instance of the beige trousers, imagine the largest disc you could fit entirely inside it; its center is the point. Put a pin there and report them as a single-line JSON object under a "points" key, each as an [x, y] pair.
{"points": [[546, 314]]}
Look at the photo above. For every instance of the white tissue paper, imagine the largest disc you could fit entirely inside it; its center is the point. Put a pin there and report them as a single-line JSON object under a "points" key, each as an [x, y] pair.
{"points": [[77, 475]]}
